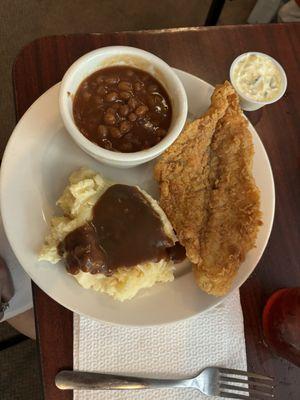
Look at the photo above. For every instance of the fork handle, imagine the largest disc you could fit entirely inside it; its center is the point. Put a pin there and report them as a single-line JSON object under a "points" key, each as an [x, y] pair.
{"points": [[95, 381]]}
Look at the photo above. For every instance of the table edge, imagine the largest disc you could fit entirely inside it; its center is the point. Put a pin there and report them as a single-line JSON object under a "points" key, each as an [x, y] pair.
{"points": [[157, 32]]}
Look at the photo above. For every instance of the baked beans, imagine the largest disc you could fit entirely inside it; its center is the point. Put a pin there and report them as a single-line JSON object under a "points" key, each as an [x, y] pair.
{"points": [[122, 109]]}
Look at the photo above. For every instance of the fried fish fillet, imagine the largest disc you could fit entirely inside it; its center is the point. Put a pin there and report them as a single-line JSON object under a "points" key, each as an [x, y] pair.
{"points": [[208, 191]]}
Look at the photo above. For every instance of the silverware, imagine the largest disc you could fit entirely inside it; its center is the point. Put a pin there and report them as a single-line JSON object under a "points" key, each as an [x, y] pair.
{"points": [[212, 381]]}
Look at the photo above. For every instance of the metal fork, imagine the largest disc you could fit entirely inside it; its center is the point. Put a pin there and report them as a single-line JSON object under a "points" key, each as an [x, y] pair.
{"points": [[212, 381]]}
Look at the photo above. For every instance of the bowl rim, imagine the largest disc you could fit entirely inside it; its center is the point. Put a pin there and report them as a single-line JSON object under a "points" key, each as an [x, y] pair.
{"points": [[249, 99], [93, 148]]}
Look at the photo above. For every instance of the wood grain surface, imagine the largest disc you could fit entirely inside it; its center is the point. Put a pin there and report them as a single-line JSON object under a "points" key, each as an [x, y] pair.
{"points": [[207, 53]]}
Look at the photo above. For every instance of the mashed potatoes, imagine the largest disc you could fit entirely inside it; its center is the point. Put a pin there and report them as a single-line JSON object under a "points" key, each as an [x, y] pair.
{"points": [[77, 201]]}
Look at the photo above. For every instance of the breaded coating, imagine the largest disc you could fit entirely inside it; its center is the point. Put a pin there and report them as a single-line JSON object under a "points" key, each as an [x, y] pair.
{"points": [[208, 191]]}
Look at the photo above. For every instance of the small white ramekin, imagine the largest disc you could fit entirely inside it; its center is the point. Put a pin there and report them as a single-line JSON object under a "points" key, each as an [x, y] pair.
{"points": [[122, 55], [246, 102]]}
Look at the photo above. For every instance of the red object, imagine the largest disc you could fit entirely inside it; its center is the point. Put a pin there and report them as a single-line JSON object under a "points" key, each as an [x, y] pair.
{"points": [[281, 323]]}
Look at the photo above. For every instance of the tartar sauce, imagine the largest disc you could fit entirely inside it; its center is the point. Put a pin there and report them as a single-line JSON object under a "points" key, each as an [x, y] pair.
{"points": [[257, 77]]}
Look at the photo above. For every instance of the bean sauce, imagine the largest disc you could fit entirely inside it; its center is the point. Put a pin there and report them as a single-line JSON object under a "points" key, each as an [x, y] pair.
{"points": [[122, 109]]}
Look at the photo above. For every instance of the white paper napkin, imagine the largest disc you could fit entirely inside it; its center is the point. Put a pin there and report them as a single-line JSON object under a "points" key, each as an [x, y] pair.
{"points": [[172, 351]]}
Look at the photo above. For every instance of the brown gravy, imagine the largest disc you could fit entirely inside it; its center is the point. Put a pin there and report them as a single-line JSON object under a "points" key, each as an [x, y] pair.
{"points": [[122, 109], [125, 231]]}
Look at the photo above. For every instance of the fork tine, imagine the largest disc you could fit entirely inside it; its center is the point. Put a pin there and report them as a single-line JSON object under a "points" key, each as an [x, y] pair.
{"points": [[245, 373], [244, 389], [228, 395], [264, 394], [250, 382]]}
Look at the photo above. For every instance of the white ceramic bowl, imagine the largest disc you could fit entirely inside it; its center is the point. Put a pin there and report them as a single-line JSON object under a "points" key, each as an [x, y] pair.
{"points": [[122, 55], [246, 102]]}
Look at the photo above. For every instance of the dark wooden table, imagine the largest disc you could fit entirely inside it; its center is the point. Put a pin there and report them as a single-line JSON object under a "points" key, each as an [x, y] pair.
{"points": [[207, 53]]}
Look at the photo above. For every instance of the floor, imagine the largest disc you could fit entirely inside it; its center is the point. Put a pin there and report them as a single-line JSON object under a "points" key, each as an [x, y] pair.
{"points": [[19, 372], [21, 22]]}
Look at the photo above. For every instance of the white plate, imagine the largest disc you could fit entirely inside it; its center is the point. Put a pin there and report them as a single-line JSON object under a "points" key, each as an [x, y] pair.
{"points": [[38, 159]]}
